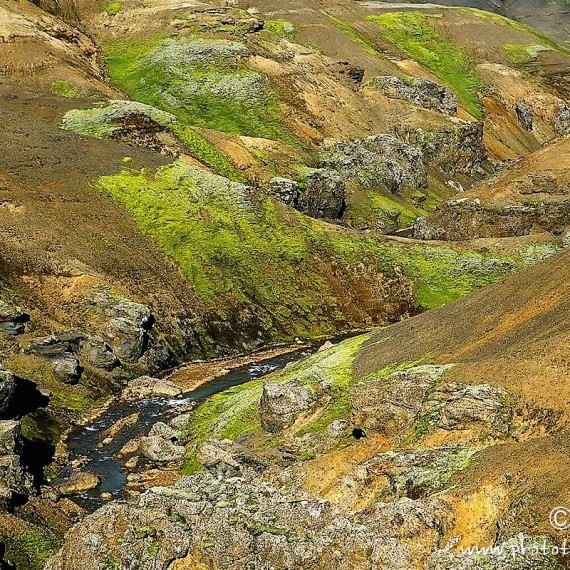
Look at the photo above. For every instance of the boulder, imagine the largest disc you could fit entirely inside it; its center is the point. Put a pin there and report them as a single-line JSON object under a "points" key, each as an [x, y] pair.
{"points": [[146, 387], [12, 319], [281, 404], [67, 369], [161, 451], [7, 387], [563, 120], [524, 114], [322, 193], [57, 345], [98, 353], [79, 483], [377, 161], [418, 91], [284, 189]]}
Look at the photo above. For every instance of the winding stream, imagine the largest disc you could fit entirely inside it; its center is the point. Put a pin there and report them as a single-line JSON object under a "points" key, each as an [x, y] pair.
{"points": [[83, 441]]}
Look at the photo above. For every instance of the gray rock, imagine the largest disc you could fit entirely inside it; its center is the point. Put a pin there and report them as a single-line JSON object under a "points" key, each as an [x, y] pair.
{"points": [[161, 451], [322, 193], [281, 404], [457, 148], [418, 91], [67, 369], [563, 120], [524, 114], [7, 387], [13, 478], [127, 327], [55, 346], [377, 161], [285, 189], [12, 319], [98, 353]]}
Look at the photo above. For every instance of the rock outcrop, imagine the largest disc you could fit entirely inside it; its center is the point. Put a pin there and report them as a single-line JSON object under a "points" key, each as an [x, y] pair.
{"points": [[12, 319], [419, 91], [322, 193], [14, 480], [147, 387], [7, 386], [281, 404], [377, 161]]}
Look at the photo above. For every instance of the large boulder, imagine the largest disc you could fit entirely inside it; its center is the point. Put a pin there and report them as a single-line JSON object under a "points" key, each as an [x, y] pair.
{"points": [[98, 353], [281, 404], [524, 114], [67, 369], [284, 189], [380, 161], [418, 91], [322, 193], [79, 482], [162, 446]]}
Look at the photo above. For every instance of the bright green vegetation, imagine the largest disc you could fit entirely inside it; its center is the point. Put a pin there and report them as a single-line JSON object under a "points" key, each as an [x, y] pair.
{"points": [[281, 28], [113, 8], [354, 35], [66, 89], [240, 249], [413, 33], [203, 82], [106, 121], [33, 547]]}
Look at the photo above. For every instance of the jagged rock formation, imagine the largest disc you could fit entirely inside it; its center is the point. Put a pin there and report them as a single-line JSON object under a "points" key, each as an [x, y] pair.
{"points": [[419, 91]]}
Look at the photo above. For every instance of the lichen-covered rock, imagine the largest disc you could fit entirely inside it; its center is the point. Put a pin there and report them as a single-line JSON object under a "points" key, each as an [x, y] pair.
{"points": [[147, 387], [12, 319], [210, 522], [416, 401], [162, 445], [322, 193], [67, 369], [524, 114], [419, 91], [281, 404], [377, 161], [563, 120], [285, 189], [7, 387], [455, 149]]}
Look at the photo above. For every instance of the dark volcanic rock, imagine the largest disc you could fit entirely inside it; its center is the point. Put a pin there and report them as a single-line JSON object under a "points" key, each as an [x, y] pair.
{"points": [[7, 387], [321, 193], [285, 189], [524, 114]]}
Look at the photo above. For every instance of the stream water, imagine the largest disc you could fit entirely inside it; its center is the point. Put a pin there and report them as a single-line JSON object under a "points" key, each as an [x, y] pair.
{"points": [[83, 441]]}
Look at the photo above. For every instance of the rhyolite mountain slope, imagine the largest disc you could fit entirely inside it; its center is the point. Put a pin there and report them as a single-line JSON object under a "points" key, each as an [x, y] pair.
{"points": [[184, 180]]}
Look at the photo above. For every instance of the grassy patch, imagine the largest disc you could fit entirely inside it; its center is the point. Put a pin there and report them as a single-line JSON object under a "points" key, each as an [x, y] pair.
{"points": [[282, 28], [412, 33], [204, 83], [66, 89], [113, 8], [522, 54]]}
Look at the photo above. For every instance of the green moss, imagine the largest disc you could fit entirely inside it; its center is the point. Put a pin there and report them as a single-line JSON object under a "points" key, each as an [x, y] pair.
{"points": [[33, 547], [113, 8], [280, 27], [66, 89], [203, 82], [412, 33], [74, 398]]}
